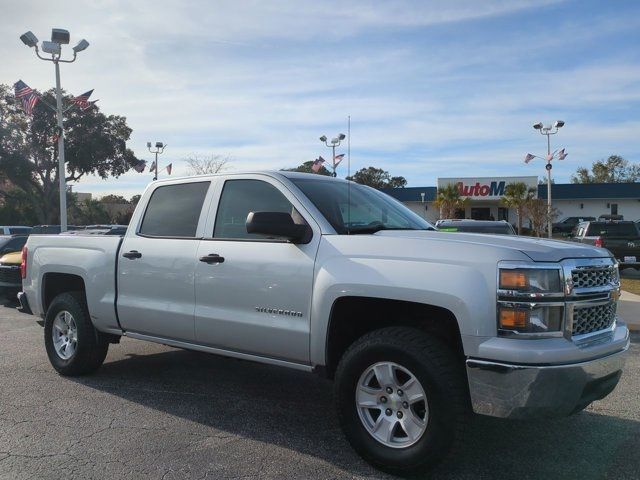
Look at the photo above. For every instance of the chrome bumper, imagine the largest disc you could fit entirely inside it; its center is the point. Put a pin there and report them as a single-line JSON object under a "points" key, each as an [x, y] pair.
{"points": [[529, 391]]}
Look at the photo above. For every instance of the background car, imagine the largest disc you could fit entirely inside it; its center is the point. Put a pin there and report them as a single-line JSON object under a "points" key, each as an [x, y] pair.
{"points": [[566, 225], [496, 227], [10, 259], [621, 238], [14, 230]]}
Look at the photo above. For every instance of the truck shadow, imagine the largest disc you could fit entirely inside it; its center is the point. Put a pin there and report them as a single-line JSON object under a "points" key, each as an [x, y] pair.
{"points": [[294, 410]]}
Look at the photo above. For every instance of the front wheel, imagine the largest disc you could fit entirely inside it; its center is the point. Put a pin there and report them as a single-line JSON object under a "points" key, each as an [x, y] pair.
{"points": [[74, 347], [402, 399]]}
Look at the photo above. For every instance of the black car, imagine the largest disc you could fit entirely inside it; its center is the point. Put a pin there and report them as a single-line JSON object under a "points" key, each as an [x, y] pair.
{"points": [[496, 227], [621, 238], [566, 225]]}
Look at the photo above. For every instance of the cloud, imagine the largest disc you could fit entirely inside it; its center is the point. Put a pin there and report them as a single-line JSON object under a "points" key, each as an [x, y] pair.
{"points": [[431, 86]]}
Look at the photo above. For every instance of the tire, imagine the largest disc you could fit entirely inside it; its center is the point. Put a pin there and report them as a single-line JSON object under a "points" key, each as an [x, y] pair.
{"points": [[84, 349], [442, 415]]}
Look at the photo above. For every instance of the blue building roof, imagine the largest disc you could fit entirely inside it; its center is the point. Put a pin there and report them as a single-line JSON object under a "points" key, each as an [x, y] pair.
{"points": [[413, 194], [583, 191], [559, 191]]}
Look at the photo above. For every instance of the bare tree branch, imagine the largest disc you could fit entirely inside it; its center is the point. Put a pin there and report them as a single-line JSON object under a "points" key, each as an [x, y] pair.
{"points": [[207, 164]]}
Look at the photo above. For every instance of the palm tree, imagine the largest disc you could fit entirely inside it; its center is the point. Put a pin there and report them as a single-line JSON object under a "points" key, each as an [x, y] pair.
{"points": [[448, 200], [516, 196]]}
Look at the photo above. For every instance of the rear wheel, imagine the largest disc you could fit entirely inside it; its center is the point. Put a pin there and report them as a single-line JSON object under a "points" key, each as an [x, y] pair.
{"points": [[74, 346], [402, 399]]}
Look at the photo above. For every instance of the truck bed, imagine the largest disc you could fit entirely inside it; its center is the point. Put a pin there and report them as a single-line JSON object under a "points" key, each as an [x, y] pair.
{"points": [[91, 258]]}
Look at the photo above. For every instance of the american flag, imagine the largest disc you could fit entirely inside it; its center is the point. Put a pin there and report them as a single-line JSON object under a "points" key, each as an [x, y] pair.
{"points": [[528, 157], [562, 155], [139, 166], [152, 167], [83, 100], [26, 94], [169, 167], [337, 159], [317, 164]]}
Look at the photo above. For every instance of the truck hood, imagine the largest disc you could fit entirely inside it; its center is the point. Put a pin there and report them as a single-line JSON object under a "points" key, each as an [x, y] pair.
{"points": [[537, 249]]}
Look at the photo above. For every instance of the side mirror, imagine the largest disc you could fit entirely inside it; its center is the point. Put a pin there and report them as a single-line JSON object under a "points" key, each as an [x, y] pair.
{"points": [[278, 225]]}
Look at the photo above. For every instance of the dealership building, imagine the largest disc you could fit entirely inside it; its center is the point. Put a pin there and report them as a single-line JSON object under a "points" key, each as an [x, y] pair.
{"points": [[485, 194]]}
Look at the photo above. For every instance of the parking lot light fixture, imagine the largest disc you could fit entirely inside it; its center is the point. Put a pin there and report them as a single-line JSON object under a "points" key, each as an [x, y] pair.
{"points": [[159, 148], [59, 37], [335, 142], [559, 154]]}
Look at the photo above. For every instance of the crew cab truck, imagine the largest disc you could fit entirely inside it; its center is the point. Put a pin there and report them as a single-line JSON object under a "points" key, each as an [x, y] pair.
{"points": [[418, 328], [621, 238]]}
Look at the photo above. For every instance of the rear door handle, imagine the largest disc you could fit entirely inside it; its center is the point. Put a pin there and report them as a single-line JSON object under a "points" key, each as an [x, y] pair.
{"points": [[212, 258], [132, 254]]}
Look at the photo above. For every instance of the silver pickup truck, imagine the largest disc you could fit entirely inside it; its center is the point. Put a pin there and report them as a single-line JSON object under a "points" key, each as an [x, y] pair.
{"points": [[418, 328]]}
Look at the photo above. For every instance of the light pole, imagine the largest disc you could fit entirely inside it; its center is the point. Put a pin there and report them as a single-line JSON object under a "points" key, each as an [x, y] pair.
{"points": [[59, 37], [548, 130], [335, 142], [158, 151]]}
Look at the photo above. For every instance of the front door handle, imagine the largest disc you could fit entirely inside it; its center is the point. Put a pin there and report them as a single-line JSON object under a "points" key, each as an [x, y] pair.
{"points": [[132, 254], [212, 258]]}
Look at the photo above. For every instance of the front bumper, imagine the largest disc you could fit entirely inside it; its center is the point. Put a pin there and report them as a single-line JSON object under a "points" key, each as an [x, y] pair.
{"points": [[528, 391]]}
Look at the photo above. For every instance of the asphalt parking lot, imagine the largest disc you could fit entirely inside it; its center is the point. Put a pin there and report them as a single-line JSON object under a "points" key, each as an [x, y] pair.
{"points": [[155, 412]]}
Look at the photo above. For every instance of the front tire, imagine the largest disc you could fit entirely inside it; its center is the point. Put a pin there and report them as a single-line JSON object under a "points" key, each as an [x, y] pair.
{"points": [[74, 346], [402, 399]]}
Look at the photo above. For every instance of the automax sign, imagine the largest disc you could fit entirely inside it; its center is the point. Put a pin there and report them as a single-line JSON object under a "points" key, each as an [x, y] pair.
{"points": [[485, 187]]}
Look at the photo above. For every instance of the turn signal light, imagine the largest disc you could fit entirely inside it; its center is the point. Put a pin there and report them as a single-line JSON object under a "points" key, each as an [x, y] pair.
{"points": [[598, 242], [513, 280], [512, 319]]}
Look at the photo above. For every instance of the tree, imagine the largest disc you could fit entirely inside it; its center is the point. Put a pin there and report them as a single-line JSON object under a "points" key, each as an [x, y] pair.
{"points": [[306, 168], [377, 178], [89, 212], [117, 199], [614, 169], [535, 209], [95, 143], [516, 196], [204, 165], [135, 199], [448, 200]]}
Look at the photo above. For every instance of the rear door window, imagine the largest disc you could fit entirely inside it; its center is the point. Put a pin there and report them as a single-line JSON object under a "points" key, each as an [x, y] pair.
{"points": [[174, 210]]}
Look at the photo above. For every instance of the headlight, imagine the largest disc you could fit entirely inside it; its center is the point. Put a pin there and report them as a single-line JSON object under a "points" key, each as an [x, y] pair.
{"points": [[533, 280], [530, 301]]}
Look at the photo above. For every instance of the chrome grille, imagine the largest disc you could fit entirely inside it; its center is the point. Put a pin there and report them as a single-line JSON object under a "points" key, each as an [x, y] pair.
{"points": [[590, 277], [592, 319]]}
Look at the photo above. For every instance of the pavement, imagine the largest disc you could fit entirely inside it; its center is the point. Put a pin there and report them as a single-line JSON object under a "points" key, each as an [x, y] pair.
{"points": [[155, 412], [629, 303]]}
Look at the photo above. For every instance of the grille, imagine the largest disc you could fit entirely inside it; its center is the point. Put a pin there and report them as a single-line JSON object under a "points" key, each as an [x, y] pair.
{"points": [[592, 319], [589, 277], [10, 275]]}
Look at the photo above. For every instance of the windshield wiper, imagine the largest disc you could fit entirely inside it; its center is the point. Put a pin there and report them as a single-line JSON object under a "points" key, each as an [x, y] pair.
{"points": [[377, 228]]}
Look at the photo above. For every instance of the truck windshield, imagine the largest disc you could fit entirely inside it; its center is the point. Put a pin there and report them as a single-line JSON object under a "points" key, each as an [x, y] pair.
{"points": [[362, 210]]}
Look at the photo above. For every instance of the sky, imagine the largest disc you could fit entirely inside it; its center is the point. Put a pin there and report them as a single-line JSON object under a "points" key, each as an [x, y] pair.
{"points": [[437, 88]]}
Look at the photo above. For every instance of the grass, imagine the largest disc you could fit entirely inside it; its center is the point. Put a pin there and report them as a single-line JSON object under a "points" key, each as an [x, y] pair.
{"points": [[631, 285]]}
